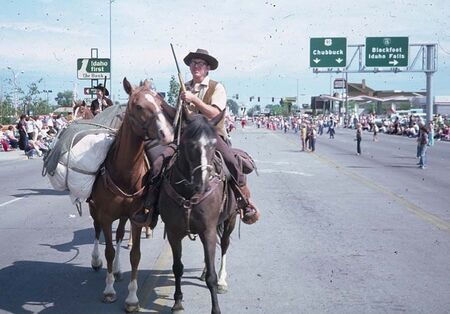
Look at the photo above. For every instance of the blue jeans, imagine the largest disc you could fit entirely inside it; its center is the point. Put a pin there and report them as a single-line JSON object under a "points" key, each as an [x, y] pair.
{"points": [[423, 151]]}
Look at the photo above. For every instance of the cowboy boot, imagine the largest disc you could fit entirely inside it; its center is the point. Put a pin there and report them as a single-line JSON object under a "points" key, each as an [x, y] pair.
{"points": [[249, 213], [148, 216]]}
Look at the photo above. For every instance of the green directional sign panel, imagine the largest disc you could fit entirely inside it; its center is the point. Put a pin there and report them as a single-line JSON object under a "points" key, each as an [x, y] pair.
{"points": [[387, 51], [90, 69], [328, 52]]}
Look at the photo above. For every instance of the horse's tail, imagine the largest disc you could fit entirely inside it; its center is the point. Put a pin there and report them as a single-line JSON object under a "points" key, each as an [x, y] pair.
{"points": [[220, 230]]}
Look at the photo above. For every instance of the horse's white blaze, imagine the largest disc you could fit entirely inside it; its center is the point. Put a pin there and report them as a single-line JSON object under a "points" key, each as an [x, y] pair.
{"points": [[132, 293], [150, 98], [109, 289], [164, 128], [116, 263], [223, 272], [203, 161], [96, 260]]}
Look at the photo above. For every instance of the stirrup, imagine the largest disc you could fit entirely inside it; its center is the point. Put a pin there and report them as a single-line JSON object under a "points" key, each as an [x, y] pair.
{"points": [[250, 214]]}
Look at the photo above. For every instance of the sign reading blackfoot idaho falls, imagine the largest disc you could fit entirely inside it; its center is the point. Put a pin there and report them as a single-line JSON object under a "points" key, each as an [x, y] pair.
{"points": [[90, 69], [387, 51], [328, 52]]}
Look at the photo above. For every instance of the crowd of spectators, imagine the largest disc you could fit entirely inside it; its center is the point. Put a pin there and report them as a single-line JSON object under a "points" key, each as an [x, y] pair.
{"points": [[395, 125], [32, 134]]}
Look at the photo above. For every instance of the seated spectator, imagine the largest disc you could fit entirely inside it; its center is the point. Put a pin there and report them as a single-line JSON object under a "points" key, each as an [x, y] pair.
{"points": [[3, 139], [32, 150], [11, 137], [42, 145]]}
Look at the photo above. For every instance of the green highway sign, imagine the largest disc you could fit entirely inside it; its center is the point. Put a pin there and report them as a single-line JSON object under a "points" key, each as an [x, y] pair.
{"points": [[387, 51], [90, 69], [328, 52]]}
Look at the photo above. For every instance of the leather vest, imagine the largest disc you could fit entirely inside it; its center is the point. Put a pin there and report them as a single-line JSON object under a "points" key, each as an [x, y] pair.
{"points": [[207, 98]]}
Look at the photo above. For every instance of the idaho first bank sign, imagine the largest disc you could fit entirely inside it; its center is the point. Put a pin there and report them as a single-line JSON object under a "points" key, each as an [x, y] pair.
{"points": [[91, 69]]}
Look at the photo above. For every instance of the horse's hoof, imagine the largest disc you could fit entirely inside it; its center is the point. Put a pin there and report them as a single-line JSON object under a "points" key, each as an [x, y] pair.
{"points": [[109, 298], [221, 289], [118, 276], [178, 308], [203, 276], [97, 267], [130, 308], [148, 234]]}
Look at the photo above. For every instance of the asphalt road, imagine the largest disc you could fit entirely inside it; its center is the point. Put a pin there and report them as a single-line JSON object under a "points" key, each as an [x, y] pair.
{"points": [[339, 233]]}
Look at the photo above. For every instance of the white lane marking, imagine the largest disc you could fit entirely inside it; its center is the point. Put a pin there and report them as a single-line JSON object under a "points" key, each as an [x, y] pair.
{"points": [[11, 201], [272, 162], [284, 171]]}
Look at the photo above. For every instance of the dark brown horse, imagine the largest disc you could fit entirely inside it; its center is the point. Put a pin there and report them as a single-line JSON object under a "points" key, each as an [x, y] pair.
{"points": [[119, 190], [196, 199]]}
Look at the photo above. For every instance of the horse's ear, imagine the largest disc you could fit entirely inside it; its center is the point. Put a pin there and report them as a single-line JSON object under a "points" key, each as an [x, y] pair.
{"points": [[127, 86], [218, 118]]}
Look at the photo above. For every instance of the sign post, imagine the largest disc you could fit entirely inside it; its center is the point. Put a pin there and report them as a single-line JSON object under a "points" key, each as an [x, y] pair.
{"points": [[387, 51], [328, 52]]}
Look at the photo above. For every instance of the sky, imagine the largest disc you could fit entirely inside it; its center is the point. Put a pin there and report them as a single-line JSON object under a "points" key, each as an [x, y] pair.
{"points": [[262, 46]]}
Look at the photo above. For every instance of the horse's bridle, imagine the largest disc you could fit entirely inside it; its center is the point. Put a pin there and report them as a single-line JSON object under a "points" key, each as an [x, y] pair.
{"points": [[143, 126]]}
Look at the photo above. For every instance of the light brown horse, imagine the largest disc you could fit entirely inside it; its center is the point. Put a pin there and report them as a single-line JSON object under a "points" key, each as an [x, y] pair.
{"points": [[80, 111], [119, 190]]}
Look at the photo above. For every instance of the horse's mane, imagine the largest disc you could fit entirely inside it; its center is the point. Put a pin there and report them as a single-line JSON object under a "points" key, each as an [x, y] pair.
{"points": [[197, 125]]}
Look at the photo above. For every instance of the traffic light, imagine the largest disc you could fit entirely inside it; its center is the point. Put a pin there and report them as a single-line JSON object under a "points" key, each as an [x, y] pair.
{"points": [[273, 99], [237, 96], [259, 98], [251, 98]]}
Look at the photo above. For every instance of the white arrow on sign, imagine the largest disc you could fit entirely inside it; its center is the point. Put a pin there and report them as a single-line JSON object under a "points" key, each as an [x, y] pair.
{"points": [[316, 60], [339, 60], [395, 62]]}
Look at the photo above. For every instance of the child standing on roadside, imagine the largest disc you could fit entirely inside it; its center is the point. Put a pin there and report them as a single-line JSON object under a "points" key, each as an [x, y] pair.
{"points": [[375, 132]]}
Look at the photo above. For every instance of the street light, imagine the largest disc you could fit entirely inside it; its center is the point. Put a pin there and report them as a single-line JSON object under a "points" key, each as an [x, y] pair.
{"points": [[47, 91], [15, 75]]}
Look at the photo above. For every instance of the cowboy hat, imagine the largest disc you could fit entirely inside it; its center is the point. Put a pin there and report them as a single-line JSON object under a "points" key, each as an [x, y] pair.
{"points": [[103, 89], [204, 55]]}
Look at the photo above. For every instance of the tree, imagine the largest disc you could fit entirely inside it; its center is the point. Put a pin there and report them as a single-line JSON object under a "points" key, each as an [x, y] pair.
{"points": [[64, 99], [254, 110], [31, 97], [174, 88], [7, 111], [234, 107]]}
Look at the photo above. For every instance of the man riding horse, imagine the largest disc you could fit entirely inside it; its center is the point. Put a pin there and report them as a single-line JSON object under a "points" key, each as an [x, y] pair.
{"points": [[207, 97]]}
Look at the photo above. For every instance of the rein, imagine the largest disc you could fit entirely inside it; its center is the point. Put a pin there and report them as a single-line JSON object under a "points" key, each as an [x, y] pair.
{"points": [[188, 203]]}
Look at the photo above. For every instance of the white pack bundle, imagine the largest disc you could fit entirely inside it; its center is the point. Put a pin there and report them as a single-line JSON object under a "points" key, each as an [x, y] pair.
{"points": [[77, 169]]}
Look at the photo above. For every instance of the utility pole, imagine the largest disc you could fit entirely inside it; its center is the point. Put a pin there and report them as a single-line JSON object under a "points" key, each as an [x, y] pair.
{"points": [[110, 50]]}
